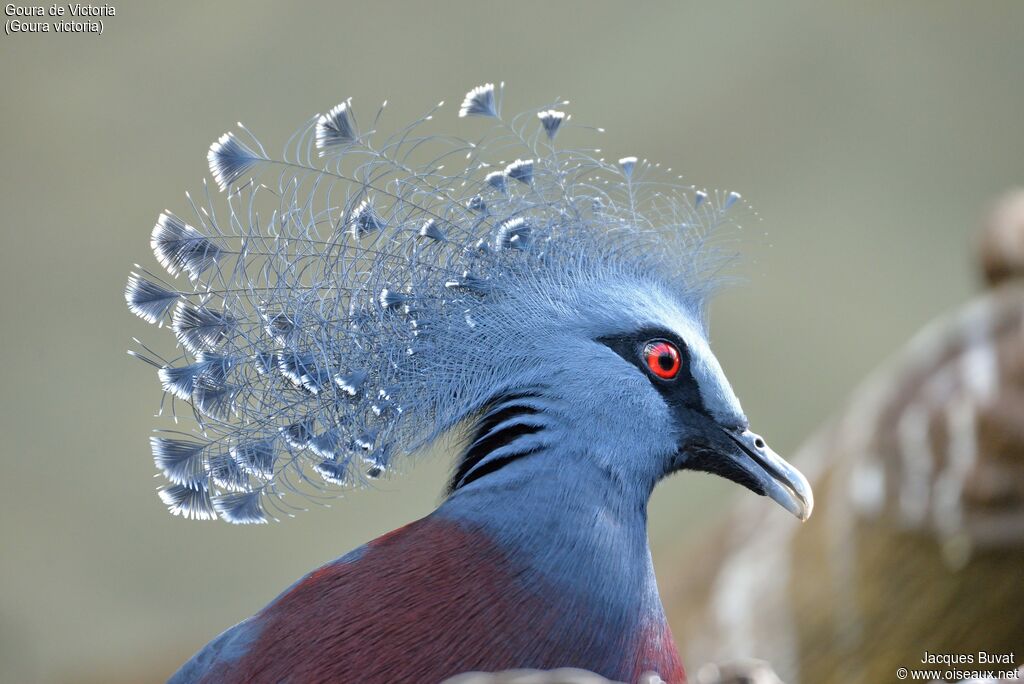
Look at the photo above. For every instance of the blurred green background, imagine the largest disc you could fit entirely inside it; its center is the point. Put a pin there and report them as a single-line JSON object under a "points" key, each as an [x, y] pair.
{"points": [[867, 137]]}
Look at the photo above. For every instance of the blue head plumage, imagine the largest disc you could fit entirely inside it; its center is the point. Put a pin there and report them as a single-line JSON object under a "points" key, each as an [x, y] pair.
{"points": [[352, 300]]}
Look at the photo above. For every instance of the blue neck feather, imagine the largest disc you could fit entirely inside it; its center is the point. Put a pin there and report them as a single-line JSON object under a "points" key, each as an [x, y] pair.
{"points": [[577, 527]]}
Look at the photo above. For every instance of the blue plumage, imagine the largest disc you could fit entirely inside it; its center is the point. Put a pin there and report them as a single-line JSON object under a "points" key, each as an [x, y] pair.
{"points": [[355, 299]]}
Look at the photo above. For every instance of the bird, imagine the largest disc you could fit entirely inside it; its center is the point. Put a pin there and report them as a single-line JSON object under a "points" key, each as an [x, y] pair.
{"points": [[357, 299], [920, 541]]}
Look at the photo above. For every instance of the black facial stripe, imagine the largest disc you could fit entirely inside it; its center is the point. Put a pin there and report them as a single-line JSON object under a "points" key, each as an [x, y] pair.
{"points": [[492, 466], [485, 442], [681, 391]]}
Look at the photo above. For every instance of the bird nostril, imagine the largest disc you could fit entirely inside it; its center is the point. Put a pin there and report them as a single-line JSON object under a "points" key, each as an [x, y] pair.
{"points": [[759, 443]]}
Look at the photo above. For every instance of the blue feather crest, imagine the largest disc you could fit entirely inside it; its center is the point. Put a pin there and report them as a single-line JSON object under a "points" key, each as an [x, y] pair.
{"points": [[180, 247], [181, 461], [200, 328], [373, 295], [147, 300], [241, 508], [335, 472], [497, 180], [334, 130], [479, 102], [227, 475], [551, 120], [181, 381], [520, 170], [230, 159], [193, 503], [256, 458]]}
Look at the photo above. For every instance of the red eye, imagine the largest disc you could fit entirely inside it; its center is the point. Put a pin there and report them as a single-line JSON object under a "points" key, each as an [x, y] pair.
{"points": [[663, 359]]}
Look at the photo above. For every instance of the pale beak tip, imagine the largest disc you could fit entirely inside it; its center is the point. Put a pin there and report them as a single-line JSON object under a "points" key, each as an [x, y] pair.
{"points": [[804, 500]]}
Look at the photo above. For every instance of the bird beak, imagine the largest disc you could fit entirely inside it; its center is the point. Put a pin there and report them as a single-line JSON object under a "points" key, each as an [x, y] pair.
{"points": [[766, 471]]}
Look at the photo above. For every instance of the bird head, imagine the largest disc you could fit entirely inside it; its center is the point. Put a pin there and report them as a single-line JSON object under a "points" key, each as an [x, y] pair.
{"points": [[612, 360], [361, 305], [687, 415]]}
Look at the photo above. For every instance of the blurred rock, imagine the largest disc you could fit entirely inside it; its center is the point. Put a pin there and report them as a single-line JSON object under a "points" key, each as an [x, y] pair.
{"points": [[1001, 240], [566, 675], [736, 672], [739, 672], [917, 540]]}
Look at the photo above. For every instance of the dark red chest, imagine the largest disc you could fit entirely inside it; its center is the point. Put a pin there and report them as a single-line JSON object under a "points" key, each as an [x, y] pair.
{"points": [[432, 600]]}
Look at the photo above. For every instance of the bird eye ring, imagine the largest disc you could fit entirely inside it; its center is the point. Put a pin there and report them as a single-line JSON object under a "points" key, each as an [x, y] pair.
{"points": [[663, 359]]}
